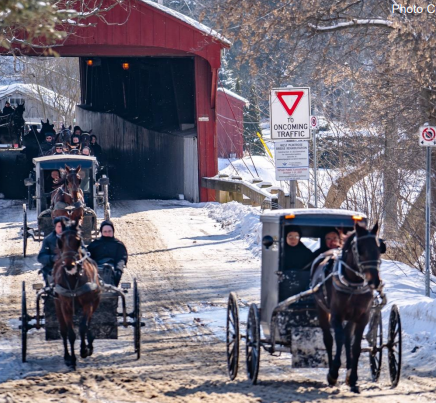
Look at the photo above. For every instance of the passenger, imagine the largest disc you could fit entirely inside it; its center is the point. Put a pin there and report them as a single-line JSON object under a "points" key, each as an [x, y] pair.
{"points": [[47, 255], [86, 151], [59, 149], [8, 109], [332, 241], [107, 249], [77, 131], [95, 147], [46, 145], [297, 255], [75, 143]]}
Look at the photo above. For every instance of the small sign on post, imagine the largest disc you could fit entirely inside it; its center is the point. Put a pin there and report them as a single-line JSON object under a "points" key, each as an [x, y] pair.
{"points": [[291, 160], [427, 136], [290, 113]]}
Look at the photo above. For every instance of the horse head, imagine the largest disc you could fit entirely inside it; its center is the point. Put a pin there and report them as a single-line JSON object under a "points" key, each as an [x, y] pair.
{"points": [[73, 182], [365, 256], [69, 244]]}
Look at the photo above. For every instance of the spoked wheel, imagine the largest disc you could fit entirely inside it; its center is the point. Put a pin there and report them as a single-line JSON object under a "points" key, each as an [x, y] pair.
{"points": [[24, 230], [137, 319], [107, 211], [375, 341], [232, 336], [394, 346], [23, 323], [252, 347]]}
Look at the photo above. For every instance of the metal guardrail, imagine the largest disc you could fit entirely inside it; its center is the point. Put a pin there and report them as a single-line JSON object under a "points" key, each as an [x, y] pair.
{"points": [[257, 192]]}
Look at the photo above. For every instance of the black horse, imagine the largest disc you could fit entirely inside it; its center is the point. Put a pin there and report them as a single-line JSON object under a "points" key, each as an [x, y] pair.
{"points": [[347, 297], [64, 136], [12, 126]]}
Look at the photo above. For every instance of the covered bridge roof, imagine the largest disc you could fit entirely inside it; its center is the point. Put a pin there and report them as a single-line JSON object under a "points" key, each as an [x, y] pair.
{"points": [[145, 28]]}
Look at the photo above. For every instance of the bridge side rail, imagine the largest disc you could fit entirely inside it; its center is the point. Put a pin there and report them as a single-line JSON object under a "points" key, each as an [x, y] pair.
{"points": [[257, 193]]}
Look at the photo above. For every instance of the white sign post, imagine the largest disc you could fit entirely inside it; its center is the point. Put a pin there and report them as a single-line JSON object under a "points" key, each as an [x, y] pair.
{"points": [[427, 138], [291, 160], [290, 113]]}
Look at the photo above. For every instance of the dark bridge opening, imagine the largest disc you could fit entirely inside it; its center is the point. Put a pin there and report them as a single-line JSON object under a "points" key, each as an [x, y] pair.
{"points": [[143, 112], [156, 93]]}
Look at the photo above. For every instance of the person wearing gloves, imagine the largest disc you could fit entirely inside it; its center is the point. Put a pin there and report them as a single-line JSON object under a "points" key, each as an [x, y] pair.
{"points": [[48, 253], [109, 250]]}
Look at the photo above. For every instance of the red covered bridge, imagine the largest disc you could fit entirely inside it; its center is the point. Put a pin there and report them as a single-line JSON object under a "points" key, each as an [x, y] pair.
{"points": [[149, 88]]}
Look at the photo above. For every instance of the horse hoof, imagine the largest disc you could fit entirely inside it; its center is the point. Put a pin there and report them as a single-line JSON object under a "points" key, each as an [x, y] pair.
{"points": [[354, 389], [331, 381], [84, 352]]}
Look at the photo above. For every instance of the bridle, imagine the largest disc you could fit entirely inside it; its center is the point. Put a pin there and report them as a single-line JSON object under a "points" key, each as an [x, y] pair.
{"points": [[343, 284], [365, 264], [74, 255]]}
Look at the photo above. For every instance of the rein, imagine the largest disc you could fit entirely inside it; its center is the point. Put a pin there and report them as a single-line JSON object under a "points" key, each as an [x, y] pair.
{"points": [[341, 283]]}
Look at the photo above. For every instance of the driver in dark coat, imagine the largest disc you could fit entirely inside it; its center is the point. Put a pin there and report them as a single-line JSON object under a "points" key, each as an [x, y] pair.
{"points": [[47, 254], [108, 249], [297, 255], [8, 110]]}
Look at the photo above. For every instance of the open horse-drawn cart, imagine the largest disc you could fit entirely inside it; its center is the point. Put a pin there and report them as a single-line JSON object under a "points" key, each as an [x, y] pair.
{"points": [[287, 319], [95, 194], [105, 321]]}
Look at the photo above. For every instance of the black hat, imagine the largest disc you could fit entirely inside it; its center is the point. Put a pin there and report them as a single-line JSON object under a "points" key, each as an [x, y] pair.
{"points": [[77, 128], [59, 219], [294, 228], [107, 222], [48, 135], [59, 145], [93, 135]]}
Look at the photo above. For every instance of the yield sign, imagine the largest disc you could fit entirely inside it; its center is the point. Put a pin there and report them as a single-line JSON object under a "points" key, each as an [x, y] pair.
{"points": [[290, 104], [290, 113]]}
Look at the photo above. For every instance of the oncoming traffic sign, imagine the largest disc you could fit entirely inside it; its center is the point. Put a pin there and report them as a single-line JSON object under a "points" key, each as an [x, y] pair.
{"points": [[290, 113]]}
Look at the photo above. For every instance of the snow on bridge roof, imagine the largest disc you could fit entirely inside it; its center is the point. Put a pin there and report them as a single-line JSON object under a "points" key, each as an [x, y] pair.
{"points": [[190, 21], [234, 95]]}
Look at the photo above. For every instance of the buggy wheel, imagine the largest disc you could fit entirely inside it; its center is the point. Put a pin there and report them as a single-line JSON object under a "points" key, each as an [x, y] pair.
{"points": [[24, 230], [23, 324], [137, 319], [107, 211], [252, 348], [375, 341], [394, 346], [232, 336]]}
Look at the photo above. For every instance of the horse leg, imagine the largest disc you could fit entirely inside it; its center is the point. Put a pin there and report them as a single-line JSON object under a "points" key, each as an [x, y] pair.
{"points": [[324, 323], [349, 332], [336, 322], [67, 310], [355, 354], [90, 336], [64, 333]]}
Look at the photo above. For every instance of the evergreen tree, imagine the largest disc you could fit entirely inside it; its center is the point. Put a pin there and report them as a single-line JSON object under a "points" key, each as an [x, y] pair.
{"points": [[238, 88], [226, 78], [251, 125]]}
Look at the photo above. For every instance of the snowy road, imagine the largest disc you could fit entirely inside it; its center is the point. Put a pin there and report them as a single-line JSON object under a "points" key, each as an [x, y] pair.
{"points": [[185, 264]]}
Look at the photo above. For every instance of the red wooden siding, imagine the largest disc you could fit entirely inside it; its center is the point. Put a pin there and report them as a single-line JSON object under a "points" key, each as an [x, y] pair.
{"points": [[230, 125]]}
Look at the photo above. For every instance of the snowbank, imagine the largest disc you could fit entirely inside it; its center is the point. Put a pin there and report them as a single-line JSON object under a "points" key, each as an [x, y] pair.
{"points": [[243, 220]]}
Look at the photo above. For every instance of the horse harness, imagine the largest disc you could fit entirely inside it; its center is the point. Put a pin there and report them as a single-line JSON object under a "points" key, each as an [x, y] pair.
{"points": [[85, 288], [340, 282]]}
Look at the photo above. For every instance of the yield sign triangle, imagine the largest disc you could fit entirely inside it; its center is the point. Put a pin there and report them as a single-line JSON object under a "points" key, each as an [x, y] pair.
{"points": [[292, 103]]}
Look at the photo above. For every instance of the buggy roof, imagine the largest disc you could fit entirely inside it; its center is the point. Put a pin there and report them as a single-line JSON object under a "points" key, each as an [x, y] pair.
{"points": [[321, 218], [59, 161]]}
